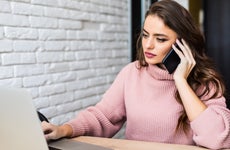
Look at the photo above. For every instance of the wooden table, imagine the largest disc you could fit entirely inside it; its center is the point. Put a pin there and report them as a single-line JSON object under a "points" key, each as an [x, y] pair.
{"points": [[121, 144]]}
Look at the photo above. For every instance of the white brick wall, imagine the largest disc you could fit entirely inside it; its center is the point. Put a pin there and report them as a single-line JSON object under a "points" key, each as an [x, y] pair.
{"points": [[65, 52]]}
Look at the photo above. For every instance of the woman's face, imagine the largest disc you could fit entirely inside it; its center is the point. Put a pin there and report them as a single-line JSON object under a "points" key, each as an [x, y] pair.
{"points": [[157, 39]]}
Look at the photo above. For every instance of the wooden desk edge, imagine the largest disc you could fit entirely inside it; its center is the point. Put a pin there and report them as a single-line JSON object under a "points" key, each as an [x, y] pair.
{"points": [[122, 144]]}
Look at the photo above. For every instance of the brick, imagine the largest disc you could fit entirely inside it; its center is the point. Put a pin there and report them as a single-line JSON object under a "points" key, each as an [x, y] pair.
{"points": [[108, 10], [99, 17], [84, 74], [51, 89], [11, 82], [101, 80], [69, 107], [14, 20], [21, 33], [104, 54], [102, 2], [18, 58], [75, 5], [21, 8], [103, 71], [90, 101], [37, 10], [102, 89], [49, 57], [35, 81], [56, 45], [34, 92], [52, 34], [63, 77], [1, 32], [79, 15], [43, 22], [69, 24], [85, 55], [81, 45], [71, 34], [45, 2], [34, 69], [61, 98], [83, 93], [100, 63], [69, 56], [89, 7], [108, 27], [87, 35], [5, 6], [56, 12], [79, 65], [6, 72], [41, 102], [56, 67], [49, 112], [6, 46], [60, 119], [27, 9], [23, 1], [77, 85], [26, 45], [107, 36]]}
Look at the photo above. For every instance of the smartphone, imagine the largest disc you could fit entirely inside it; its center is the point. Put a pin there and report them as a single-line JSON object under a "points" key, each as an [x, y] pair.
{"points": [[171, 60]]}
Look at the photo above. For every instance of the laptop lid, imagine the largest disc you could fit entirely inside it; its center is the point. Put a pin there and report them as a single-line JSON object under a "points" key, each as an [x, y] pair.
{"points": [[20, 128]]}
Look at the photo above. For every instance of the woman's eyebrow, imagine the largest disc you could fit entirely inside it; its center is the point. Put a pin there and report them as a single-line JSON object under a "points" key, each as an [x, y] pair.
{"points": [[145, 30], [156, 34]]}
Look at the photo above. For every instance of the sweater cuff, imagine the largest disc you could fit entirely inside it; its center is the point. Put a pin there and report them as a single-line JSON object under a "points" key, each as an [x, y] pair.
{"points": [[206, 123], [77, 130]]}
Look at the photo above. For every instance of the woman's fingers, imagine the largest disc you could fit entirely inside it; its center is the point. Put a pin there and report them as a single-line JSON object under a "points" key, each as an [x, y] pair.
{"points": [[187, 59], [48, 130], [187, 53]]}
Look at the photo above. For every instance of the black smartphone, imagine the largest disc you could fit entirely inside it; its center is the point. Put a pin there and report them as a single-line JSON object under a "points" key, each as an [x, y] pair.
{"points": [[171, 60]]}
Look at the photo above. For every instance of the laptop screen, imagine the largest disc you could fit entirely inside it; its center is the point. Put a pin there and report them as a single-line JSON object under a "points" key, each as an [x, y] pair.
{"points": [[20, 127]]}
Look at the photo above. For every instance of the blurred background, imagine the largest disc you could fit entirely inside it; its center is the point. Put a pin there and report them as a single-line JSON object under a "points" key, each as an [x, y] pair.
{"points": [[66, 53]]}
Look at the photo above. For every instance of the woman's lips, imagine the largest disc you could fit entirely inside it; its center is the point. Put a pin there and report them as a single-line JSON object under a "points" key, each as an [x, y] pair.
{"points": [[149, 55]]}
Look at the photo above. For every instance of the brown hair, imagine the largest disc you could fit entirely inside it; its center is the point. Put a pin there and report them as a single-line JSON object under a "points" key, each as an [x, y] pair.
{"points": [[204, 74]]}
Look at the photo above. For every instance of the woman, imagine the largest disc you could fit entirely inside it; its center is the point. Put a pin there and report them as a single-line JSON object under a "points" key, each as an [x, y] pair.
{"points": [[185, 107]]}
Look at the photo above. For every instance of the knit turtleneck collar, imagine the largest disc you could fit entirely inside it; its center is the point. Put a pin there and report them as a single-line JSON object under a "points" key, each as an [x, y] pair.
{"points": [[159, 73]]}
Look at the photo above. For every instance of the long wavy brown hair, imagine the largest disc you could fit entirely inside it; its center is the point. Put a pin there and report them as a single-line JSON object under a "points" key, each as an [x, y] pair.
{"points": [[204, 73]]}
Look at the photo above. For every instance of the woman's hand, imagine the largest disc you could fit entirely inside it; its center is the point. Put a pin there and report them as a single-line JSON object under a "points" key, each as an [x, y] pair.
{"points": [[53, 132], [187, 60], [191, 102]]}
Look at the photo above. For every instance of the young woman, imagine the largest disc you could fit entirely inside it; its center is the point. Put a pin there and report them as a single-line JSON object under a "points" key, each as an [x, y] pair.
{"points": [[185, 107]]}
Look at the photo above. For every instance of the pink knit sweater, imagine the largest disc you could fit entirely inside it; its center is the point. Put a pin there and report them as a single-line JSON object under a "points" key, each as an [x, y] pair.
{"points": [[144, 99]]}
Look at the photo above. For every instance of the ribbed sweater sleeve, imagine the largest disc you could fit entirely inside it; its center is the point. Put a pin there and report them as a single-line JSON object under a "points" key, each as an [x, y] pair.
{"points": [[107, 117], [212, 127]]}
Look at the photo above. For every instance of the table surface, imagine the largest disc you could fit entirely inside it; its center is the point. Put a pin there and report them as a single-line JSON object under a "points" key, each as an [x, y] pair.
{"points": [[122, 144]]}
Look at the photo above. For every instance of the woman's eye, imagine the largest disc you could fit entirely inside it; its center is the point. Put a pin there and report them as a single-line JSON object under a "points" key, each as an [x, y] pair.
{"points": [[161, 40], [144, 35]]}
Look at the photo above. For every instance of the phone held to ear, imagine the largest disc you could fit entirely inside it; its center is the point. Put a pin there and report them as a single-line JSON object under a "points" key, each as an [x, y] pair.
{"points": [[171, 60]]}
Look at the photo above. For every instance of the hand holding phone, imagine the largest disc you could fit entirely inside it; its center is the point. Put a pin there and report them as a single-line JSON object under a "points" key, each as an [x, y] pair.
{"points": [[171, 60]]}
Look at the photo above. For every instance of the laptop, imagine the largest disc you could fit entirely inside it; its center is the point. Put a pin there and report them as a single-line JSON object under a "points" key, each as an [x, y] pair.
{"points": [[20, 127]]}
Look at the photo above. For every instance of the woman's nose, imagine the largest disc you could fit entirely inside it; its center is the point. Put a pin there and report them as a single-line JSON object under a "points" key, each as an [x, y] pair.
{"points": [[150, 43]]}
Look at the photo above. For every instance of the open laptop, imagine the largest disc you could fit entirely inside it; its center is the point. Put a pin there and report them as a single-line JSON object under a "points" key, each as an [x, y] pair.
{"points": [[20, 127]]}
